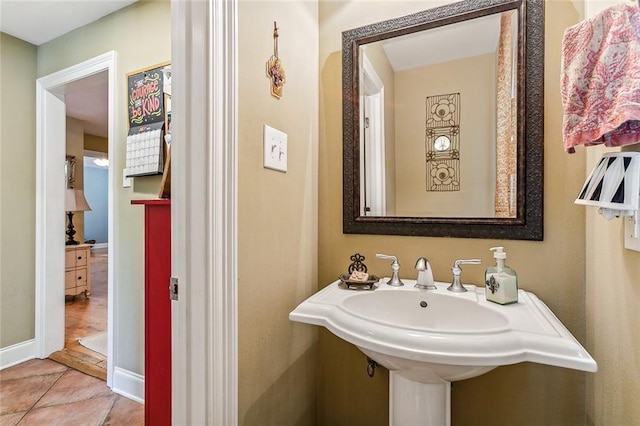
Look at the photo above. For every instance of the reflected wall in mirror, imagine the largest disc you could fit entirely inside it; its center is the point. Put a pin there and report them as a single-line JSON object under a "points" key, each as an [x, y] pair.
{"points": [[443, 122]]}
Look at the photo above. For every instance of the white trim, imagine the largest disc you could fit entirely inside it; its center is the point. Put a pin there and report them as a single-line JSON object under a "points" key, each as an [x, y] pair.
{"points": [[373, 191], [374, 185], [203, 212], [49, 266], [112, 223], [128, 384], [100, 246], [16, 354], [49, 194], [371, 82]]}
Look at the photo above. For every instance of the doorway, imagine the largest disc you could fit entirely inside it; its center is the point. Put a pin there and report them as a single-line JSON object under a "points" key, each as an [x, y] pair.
{"points": [[52, 93], [85, 340]]}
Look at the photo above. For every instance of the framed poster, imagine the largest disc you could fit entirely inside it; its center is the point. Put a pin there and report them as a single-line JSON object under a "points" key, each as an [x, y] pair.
{"points": [[145, 96]]}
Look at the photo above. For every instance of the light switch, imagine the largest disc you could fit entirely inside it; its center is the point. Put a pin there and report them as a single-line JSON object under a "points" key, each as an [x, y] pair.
{"points": [[275, 149]]}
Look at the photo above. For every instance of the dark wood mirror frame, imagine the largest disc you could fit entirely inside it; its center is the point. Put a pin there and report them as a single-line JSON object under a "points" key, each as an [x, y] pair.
{"points": [[528, 223]]}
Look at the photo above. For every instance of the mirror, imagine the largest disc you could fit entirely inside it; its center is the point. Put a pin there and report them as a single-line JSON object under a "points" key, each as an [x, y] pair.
{"points": [[443, 122]]}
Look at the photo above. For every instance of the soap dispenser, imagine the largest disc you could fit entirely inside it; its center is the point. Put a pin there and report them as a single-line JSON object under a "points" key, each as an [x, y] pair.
{"points": [[501, 281]]}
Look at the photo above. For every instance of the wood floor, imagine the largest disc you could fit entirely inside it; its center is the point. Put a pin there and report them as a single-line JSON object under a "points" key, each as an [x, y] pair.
{"points": [[85, 317]]}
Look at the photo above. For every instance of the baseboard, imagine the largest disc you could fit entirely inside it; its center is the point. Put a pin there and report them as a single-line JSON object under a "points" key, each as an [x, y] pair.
{"points": [[128, 384], [16, 354], [100, 246]]}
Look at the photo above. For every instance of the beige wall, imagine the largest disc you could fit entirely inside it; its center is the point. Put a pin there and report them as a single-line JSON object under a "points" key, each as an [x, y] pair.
{"points": [[553, 269], [125, 32], [277, 216], [96, 143], [17, 189], [613, 328], [612, 300], [477, 138]]}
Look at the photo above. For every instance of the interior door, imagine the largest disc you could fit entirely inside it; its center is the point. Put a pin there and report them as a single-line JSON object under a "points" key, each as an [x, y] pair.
{"points": [[51, 128]]}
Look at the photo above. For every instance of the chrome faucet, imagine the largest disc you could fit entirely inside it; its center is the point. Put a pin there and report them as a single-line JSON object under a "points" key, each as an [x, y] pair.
{"points": [[395, 269], [425, 275], [456, 285]]}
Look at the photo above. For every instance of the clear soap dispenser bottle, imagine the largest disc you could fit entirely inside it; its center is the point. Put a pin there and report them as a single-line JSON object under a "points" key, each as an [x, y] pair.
{"points": [[501, 281]]}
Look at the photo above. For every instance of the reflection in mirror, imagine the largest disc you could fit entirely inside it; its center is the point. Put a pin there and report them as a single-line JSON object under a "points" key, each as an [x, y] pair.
{"points": [[436, 130], [442, 103]]}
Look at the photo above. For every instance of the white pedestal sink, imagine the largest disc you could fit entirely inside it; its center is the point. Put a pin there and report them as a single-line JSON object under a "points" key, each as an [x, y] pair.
{"points": [[429, 338]]}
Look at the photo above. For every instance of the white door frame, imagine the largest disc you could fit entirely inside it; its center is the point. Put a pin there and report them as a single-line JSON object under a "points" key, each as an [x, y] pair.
{"points": [[203, 212], [50, 248], [373, 192]]}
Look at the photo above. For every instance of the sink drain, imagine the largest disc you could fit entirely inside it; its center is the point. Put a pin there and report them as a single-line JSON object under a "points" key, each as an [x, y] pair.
{"points": [[423, 304]]}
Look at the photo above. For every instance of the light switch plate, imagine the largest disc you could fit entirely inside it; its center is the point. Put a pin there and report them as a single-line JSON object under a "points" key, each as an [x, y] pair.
{"points": [[632, 232], [126, 181], [274, 149]]}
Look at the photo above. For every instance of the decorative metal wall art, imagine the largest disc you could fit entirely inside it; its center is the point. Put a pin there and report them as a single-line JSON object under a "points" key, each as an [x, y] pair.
{"points": [[442, 142], [275, 72]]}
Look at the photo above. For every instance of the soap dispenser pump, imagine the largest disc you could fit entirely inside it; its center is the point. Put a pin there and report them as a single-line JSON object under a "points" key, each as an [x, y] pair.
{"points": [[501, 281]]}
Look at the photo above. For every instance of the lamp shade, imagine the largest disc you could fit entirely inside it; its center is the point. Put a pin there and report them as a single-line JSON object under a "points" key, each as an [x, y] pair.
{"points": [[614, 184], [74, 201]]}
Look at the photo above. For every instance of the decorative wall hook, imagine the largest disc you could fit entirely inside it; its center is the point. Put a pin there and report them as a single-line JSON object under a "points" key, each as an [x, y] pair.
{"points": [[275, 72]]}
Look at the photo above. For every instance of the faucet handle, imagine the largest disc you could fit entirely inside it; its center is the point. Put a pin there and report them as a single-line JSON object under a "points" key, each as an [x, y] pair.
{"points": [[456, 285], [387, 256], [459, 262], [395, 269]]}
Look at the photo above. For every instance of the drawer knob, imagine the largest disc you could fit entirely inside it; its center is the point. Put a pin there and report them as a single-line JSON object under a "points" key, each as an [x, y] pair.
{"points": [[79, 277], [79, 257]]}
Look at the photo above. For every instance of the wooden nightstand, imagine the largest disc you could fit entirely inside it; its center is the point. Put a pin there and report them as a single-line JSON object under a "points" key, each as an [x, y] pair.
{"points": [[77, 277]]}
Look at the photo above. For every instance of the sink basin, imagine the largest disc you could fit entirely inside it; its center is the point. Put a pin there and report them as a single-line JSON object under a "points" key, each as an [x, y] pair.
{"points": [[425, 311], [429, 338]]}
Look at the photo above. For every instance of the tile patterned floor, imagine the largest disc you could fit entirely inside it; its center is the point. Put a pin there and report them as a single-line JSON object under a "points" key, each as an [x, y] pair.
{"points": [[43, 392]]}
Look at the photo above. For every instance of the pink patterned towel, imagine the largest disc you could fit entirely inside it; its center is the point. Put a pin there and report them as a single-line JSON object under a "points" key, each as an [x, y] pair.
{"points": [[601, 79]]}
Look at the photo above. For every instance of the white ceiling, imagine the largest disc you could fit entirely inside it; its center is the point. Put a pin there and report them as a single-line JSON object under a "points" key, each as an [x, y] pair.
{"points": [[443, 44], [40, 21], [88, 100]]}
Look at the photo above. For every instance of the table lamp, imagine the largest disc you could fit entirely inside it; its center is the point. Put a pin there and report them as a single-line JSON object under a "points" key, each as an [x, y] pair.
{"points": [[74, 201]]}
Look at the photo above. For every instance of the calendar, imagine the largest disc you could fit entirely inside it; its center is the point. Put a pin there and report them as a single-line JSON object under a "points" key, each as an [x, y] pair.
{"points": [[145, 153], [148, 104]]}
